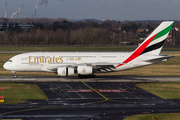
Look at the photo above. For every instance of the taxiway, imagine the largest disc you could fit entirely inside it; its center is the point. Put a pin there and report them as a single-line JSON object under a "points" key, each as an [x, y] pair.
{"points": [[105, 97]]}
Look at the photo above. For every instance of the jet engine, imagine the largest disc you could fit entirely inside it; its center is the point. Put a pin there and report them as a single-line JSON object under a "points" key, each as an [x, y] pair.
{"points": [[64, 71], [84, 70]]}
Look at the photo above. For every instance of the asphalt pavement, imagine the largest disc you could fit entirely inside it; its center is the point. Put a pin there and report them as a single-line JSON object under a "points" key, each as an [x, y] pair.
{"points": [[103, 98]]}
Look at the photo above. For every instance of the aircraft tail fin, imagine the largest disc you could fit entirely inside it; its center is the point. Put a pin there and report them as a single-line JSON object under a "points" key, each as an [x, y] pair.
{"points": [[155, 41]]}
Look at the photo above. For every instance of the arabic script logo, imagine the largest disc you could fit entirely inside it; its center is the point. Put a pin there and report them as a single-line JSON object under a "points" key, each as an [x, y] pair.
{"points": [[63, 72], [84, 70], [22, 59]]}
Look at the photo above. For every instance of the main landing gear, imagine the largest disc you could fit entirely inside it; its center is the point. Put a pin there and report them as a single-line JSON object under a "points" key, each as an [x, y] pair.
{"points": [[87, 76], [15, 75]]}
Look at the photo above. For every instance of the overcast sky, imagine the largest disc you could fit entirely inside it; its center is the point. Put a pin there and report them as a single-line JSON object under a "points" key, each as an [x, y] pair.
{"points": [[93, 9]]}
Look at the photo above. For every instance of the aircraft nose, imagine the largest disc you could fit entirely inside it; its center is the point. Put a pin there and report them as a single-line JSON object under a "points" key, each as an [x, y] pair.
{"points": [[6, 66]]}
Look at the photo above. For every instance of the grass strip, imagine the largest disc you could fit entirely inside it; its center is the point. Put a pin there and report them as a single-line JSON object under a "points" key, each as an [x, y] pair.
{"points": [[20, 92], [161, 116], [165, 90]]}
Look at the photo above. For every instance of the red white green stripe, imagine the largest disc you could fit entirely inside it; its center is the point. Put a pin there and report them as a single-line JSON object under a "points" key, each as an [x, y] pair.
{"points": [[142, 48]]}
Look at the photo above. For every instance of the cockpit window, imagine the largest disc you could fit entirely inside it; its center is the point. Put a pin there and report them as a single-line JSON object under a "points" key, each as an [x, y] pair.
{"points": [[9, 60]]}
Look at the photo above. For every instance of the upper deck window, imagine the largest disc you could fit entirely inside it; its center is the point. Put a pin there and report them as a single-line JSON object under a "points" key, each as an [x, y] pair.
{"points": [[109, 56]]}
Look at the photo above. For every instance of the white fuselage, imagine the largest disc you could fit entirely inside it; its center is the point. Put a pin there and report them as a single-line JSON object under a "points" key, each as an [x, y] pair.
{"points": [[46, 61]]}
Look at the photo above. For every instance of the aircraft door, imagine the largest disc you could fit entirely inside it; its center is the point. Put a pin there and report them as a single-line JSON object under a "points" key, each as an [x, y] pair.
{"points": [[18, 64], [98, 57], [119, 56]]}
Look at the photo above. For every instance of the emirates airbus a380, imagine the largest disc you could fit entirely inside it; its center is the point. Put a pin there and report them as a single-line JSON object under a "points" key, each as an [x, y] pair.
{"points": [[88, 63]]}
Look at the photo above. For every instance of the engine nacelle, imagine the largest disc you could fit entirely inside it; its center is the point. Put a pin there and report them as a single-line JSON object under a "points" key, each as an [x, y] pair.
{"points": [[84, 70], [64, 71]]}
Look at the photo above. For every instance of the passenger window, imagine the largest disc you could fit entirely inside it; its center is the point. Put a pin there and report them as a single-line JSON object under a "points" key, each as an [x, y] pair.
{"points": [[9, 60]]}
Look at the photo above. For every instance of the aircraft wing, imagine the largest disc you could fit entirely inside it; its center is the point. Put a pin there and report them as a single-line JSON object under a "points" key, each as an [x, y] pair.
{"points": [[99, 66], [104, 67]]}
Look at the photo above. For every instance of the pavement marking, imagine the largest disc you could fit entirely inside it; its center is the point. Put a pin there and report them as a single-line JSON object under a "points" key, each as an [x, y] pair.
{"points": [[98, 91], [71, 89], [121, 89], [62, 90], [94, 90], [128, 87], [103, 95], [115, 91], [91, 102], [75, 92], [21, 111], [126, 91], [120, 93]]}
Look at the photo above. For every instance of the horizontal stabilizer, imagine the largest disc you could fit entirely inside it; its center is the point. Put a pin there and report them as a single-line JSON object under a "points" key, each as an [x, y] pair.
{"points": [[159, 58], [105, 63]]}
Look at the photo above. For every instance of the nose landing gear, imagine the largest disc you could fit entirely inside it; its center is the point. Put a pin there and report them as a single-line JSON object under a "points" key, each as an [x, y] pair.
{"points": [[15, 75]]}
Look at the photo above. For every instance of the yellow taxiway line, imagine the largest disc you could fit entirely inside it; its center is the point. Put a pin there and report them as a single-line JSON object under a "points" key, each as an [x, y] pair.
{"points": [[94, 90]]}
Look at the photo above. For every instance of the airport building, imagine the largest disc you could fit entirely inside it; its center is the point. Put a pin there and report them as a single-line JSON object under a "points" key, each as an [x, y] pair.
{"points": [[6, 20]]}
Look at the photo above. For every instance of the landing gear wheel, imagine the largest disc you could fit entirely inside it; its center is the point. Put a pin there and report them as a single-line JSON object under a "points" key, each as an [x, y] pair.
{"points": [[81, 76], [87, 76], [94, 76], [15, 76]]}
